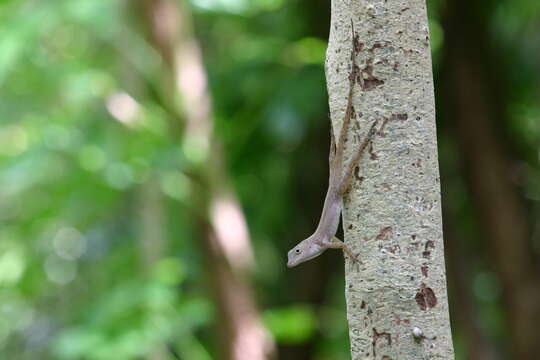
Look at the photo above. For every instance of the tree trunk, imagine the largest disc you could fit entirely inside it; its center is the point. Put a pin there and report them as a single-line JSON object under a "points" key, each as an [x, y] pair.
{"points": [[151, 241], [392, 215], [472, 96], [465, 313], [222, 227]]}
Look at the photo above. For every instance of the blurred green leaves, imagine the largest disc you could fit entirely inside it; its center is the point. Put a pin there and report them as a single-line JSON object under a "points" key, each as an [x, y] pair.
{"points": [[305, 51], [136, 318], [169, 271], [243, 7], [14, 140], [12, 266], [84, 127], [291, 325]]}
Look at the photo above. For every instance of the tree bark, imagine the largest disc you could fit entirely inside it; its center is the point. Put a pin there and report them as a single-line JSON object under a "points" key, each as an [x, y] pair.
{"points": [[392, 215]]}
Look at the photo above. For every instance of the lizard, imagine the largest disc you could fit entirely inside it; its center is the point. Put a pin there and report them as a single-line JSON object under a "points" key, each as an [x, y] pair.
{"points": [[339, 183]]}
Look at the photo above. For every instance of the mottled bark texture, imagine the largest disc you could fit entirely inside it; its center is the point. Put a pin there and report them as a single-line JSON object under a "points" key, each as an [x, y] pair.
{"points": [[392, 216]]}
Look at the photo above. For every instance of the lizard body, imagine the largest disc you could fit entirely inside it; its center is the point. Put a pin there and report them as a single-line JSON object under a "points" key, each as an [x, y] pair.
{"points": [[339, 183]]}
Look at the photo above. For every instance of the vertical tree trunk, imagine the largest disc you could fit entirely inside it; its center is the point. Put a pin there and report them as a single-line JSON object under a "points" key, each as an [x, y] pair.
{"points": [[392, 216], [473, 100], [151, 240], [476, 344], [223, 230]]}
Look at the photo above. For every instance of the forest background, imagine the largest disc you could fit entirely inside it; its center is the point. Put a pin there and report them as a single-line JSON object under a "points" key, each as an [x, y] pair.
{"points": [[124, 166]]}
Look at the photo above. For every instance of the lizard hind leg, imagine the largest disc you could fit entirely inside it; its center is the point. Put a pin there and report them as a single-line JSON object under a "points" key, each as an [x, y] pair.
{"points": [[335, 243], [332, 155], [355, 161], [349, 110], [349, 113]]}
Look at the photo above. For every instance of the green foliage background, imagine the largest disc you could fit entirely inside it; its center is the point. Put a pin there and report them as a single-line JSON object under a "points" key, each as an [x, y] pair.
{"points": [[73, 281]]}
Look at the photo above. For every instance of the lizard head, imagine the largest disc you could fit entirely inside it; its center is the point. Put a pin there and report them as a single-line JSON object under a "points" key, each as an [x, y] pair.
{"points": [[304, 251]]}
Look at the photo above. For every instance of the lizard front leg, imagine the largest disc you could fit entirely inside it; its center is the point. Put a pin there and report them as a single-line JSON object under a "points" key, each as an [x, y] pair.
{"points": [[335, 243]]}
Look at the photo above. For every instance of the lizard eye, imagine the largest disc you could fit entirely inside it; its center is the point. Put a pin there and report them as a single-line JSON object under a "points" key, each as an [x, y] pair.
{"points": [[297, 251]]}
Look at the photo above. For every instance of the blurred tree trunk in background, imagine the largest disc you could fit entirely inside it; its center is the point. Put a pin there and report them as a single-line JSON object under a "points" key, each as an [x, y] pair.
{"points": [[392, 217], [151, 236], [464, 311], [152, 239], [220, 222], [472, 92]]}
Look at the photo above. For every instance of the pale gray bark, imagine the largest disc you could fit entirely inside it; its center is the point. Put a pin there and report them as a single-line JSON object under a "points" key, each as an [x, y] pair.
{"points": [[392, 216]]}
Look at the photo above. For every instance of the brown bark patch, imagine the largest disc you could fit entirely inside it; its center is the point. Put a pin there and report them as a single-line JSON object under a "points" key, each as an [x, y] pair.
{"points": [[367, 80], [427, 249], [385, 233], [425, 298], [393, 117], [377, 336]]}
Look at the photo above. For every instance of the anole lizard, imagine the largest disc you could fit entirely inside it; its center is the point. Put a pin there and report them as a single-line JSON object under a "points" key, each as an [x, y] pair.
{"points": [[339, 183]]}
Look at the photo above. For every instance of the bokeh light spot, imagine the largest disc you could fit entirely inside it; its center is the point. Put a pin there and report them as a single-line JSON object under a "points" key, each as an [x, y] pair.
{"points": [[56, 137], [60, 271], [69, 243], [123, 108], [169, 271], [175, 184], [308, 50], [196, 148], [14, 140], [291, 325], [119, 176], [92, 158], [12, 266]]}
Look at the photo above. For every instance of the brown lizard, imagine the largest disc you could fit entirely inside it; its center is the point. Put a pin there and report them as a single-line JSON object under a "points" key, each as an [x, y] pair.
{"points": [[339, 183]]}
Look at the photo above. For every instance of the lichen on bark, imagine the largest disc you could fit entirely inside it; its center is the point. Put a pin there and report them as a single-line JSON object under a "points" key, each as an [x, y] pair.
{"points": [[392, 218]]}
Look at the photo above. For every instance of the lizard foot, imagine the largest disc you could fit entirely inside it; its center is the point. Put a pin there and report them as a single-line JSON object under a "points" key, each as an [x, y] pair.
{"points": [[335, 243]]}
